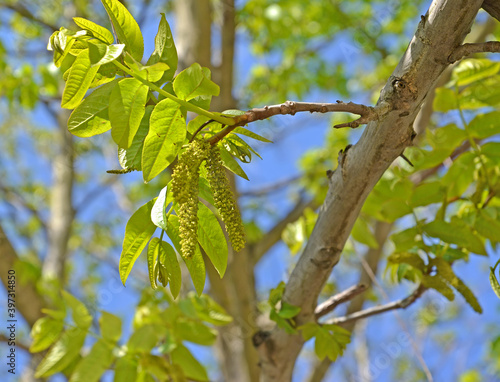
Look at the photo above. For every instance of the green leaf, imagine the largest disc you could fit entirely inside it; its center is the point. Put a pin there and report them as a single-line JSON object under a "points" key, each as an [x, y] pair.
{"points": [[325, 345], [152, 254], [158, 213], [362, 233], [91, 116], [455, 234], [93, 365], [195, 265], [209, 311], [460, 175], [467, 294], [101, 54], [204, 191], [168, 260], [251, 134], [212, 239], [192, 368], [164, 50], [495, 285], [126, 28], [275, 294], [195, 332], [437, 283], [288, 311], [137, 234], [45, 332], [95, 30], [427, 193], [80, 77], [445, 100], [485, 125], [65, 350], [126, 369], [80, 313], [192, 82], [167, 132], [308, 330], [111, 327], [230, 163], [126, 109], [410, 258], [131, 158], [143, 339], [473, 69], [487, 227]]}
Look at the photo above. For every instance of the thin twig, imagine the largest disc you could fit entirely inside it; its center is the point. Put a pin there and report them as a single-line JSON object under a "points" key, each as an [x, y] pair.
{"points": [[334, 301], [367, 114], [19, 344], [399, 304], [469, 49], [201, 128], [26, 13]]}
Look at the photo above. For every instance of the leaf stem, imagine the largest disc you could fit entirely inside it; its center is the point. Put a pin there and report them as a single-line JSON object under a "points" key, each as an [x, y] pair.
{"points": [[189, 106]]}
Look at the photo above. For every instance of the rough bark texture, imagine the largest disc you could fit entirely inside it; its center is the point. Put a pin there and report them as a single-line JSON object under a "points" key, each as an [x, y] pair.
{"points": [[443, 28]]}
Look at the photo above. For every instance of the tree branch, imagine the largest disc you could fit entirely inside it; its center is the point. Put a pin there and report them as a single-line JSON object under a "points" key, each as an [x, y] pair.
{"points": [[329, 305], [29, 302], [445, 25], [399, 304], [492, 7], [367, 113], [469, 49], [26, 13], [265, 190]]}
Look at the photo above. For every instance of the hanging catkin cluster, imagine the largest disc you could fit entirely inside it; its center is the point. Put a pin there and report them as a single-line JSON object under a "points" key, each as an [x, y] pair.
{"points": [[185, 192], [224, 200]]}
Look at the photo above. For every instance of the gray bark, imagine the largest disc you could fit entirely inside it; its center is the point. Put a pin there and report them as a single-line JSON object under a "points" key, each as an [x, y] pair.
{"points": [[443, 28], [61, 204]]}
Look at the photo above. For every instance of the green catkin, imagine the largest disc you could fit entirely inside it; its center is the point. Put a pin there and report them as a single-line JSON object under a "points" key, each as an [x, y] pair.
{"points": [[224, 200], [185, 192]]}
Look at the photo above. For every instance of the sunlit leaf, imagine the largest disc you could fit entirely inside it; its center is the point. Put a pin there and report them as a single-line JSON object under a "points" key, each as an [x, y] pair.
{"points": [[190, 365], [94, 364], [80, 77], [195, 265], [131, 158], [111, 327], [127, 106], [95, 30], [137, 234], [126, 28], [192, 82], [64, 351], [91, 116], [44, 333], [212, 239], [167, 132], [164, 50]]}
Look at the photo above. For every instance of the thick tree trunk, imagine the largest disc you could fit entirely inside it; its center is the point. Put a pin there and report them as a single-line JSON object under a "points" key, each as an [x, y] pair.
{"points": [[443, 28]]}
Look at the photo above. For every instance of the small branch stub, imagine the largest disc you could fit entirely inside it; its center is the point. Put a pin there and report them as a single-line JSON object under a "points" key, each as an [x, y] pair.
{"points": [[469, 49]]}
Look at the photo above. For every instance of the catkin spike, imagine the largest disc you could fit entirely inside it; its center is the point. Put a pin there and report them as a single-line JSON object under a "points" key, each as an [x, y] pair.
{"points": [[224, 200], [185, 192]]}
